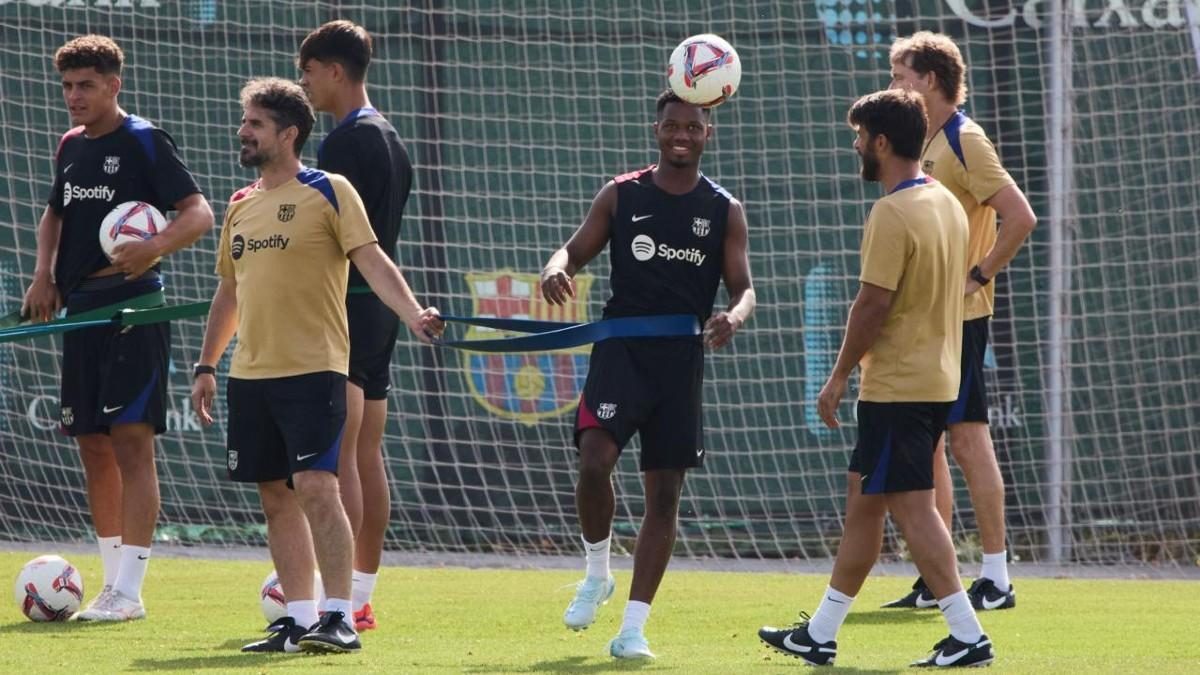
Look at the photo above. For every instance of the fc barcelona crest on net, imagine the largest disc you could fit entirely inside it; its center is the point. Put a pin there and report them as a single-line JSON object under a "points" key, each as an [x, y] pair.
{"points": [[525, 386]]}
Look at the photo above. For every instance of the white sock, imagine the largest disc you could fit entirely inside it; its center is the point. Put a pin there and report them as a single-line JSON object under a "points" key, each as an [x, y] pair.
{"points": [[132, 571], [303, 612], [960, 615], [636, 614], [830, 614], [340, 605], [362, 588], [110, 557], [597, 557], [995, 567]]}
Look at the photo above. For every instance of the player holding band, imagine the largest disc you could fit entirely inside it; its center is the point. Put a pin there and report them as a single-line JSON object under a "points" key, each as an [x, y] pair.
{"points": [[112, 157], [674, 235], [283, 263]]}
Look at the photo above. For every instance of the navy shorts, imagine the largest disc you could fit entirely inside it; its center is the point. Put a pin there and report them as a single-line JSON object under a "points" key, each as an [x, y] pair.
{"points": [[281, 425], [971, 405], [652, 387], [112, 374], [895, 445], [374, 329]]}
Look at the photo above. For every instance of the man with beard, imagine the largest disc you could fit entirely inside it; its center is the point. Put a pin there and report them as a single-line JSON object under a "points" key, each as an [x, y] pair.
{"points": [[674, 234], [286, 243], [905, 329]]}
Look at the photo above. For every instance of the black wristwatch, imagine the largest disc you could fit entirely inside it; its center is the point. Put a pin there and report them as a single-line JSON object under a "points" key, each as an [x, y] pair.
{"points": [[201, 369], [977, 276]]}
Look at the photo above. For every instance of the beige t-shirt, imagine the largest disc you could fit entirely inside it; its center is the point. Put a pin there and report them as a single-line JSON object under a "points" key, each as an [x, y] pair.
{"points": [[286, 247], [962, 158], [915, 243]]}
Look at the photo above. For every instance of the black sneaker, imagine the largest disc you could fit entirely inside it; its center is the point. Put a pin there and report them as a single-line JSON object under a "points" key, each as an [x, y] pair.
{"points": [[985, 595], [795, 641], [920, 597], [284, 635], [331, 634], [950, 653]]}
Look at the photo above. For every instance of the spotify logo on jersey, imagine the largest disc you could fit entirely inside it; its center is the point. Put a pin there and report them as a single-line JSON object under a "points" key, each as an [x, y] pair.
{"points": [[643, 248], [237, 247]]}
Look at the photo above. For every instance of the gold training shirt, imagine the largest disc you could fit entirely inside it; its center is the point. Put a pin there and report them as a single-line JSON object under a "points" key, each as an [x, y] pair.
{"points": [[286, 247], [961, 157], [915, 243]]}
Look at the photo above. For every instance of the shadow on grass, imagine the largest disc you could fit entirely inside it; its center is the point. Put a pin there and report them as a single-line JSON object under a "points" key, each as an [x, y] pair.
{"points": [[225, 655], [893, 617], [47, 627], [576, 664]]}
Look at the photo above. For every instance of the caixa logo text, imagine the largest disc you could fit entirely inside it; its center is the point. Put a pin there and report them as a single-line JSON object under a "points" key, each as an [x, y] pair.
{"points": [[1104, 14], [80, 4], [42, 412]]}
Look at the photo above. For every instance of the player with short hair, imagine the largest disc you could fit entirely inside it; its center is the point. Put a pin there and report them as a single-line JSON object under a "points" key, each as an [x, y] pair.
{"points": [[958, 154], [674, 234], [365, 149], [905, 330], [286, 243], [113, 396]]}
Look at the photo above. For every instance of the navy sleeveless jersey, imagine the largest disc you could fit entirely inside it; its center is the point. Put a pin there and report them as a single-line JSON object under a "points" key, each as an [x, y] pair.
{"points": [[366, 149], [667, 251], [135, 162]]}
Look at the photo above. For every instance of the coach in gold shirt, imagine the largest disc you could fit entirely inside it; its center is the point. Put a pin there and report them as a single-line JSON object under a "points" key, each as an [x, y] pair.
{"points": [[958, 154], [283, 260], [905, 331]]}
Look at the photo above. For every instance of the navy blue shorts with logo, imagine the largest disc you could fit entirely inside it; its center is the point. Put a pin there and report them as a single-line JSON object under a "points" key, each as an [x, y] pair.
{"points": [[374, 329], [650, 386], [112, 374], [971, 405], [281, 425], [895, 445]]}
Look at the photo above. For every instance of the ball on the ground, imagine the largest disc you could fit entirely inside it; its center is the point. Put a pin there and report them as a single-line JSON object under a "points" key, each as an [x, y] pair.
{"points": [[130, 221], [274, 602], [48, 588], [705, 70]]}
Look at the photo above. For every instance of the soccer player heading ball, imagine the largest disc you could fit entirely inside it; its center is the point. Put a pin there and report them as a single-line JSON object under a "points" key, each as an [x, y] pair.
{"points": [[674, 235]]}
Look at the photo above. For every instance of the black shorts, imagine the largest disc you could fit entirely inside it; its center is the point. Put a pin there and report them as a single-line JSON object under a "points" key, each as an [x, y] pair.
{"points": [[971, 405], [281, 425], [895, 445], [374, 329], [112, 374], [650, 386]]}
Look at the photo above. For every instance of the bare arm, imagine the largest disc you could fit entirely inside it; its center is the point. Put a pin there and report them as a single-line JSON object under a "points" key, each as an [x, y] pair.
{"points": [[867, 316], [42, 300], [587, 242], [388, 283], [1016, 223], [194, 218], [219, 330], [719, 329]]}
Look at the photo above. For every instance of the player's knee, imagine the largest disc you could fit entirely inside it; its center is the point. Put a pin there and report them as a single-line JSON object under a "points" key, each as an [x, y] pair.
{"points": [[597, 458], [317, 489], [662, 497]]}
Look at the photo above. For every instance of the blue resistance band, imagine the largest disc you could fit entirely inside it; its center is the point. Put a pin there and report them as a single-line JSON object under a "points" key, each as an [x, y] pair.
{"points": [[551, 335]]}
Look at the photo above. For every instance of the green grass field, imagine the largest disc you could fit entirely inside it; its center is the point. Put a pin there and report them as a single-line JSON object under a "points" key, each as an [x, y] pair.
{"points": [[508, 621]]}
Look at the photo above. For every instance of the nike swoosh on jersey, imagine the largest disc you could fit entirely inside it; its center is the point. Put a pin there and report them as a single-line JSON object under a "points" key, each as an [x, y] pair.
{"points": [[301, 458], [638, 218], [108, 410], [787, 642]]}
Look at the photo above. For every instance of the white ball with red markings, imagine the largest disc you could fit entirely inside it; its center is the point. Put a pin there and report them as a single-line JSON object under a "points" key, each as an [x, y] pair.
{"points": [[130, 221], [48, 589], [705, 70], [274, 602]]}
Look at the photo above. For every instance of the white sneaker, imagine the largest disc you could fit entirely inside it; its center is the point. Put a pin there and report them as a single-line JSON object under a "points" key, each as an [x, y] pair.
{"points": [[96, 601], [113, 606], [630, 644], [589, 595]]}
